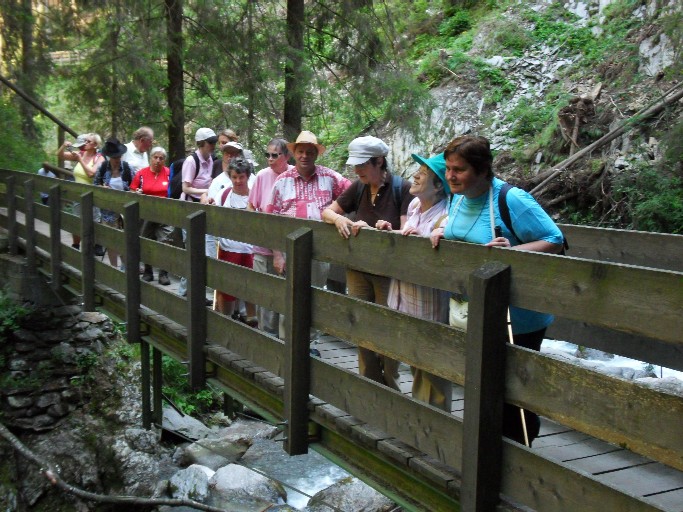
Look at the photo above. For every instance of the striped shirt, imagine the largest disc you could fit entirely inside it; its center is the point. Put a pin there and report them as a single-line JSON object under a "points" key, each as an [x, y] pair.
{"points": [[293, 196]]}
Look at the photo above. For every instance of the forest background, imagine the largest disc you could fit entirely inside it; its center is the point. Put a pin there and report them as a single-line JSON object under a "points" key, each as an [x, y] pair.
{"points": [[350, 67]]}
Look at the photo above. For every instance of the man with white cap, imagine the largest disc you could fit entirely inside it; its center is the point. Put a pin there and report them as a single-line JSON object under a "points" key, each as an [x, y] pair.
{"points": [[375, 195], [304, 192]]}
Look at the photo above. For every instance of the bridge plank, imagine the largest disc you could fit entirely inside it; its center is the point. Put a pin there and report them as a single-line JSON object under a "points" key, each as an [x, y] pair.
{"points": [[615, 342], [543, 484], [608, 462], [363, 398], [625, 246], [647, 479], [672, 500], [441, 349], [257, 346], [597, 404]]}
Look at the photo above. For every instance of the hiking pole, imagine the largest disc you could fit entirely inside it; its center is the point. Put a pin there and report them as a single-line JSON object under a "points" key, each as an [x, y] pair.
{"points": [[215, 292], [521, 411]]}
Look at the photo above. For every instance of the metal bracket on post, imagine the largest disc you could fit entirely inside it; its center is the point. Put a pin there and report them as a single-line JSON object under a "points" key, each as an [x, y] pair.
{"points": [[88, 251], [489, 293], [297, 371], [30, 227], [55, 202], [196, 295], [12, 227]]}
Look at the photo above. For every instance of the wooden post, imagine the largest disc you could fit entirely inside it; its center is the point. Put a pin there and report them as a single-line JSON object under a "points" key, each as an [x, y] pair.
{"points": [[131, 221], [145, 380], [297, 371], [12, 227], [489, 293], [30, 227], [196, 295], [87, 252], [55, 203], [60, 141], [157, 384]]}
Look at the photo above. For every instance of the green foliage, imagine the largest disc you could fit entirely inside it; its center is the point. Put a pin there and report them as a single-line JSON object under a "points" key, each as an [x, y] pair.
{"points": [[11, 314], [18, 153], [673, 143], [177, 389], [456, 23], [654, 199]]}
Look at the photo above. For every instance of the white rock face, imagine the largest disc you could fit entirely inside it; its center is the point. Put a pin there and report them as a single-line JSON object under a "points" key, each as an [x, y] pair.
{"points": [[657, 53]]}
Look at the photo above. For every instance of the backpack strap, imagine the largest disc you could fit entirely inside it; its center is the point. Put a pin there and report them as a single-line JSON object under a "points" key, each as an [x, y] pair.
{"points": [[505, 210], [396, 185], [196, 163], [224, 195]]}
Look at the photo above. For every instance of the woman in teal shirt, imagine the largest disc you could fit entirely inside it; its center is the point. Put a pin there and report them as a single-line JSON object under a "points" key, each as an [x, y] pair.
{"points": [[474, 217]]}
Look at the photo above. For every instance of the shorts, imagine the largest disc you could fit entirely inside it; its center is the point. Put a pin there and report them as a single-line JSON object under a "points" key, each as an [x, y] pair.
{"points": [[238, 258]]}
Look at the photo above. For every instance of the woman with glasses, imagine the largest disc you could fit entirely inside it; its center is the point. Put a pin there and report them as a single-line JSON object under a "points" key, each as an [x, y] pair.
{"points": [[83, 151], [277, 155]]}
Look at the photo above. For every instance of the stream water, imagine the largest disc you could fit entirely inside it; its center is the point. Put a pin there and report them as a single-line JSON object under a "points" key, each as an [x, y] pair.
{"points": [[308, 473]]}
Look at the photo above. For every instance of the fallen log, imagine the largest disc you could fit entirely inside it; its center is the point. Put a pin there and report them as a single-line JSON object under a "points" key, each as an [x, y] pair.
{"points": [[671, 96]]}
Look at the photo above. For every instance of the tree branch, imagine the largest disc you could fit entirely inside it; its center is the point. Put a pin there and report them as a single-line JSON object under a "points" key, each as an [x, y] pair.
{"points": [[53, 477]]}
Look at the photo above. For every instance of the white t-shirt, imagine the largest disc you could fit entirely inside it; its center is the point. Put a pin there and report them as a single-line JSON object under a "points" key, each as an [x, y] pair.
{"points": [[136, 160], [221, 182], [239, 202]]}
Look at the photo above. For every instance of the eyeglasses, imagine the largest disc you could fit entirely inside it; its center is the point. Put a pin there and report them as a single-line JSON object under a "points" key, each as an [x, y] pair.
{"points": [[272, 155]]}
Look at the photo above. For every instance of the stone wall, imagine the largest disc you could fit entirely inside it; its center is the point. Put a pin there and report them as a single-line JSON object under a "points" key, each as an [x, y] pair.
{"points": [[45, 365]]}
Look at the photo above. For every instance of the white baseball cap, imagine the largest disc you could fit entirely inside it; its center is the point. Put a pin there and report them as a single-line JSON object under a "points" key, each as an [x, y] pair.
{"points": [[363, 149], [206, 134]]}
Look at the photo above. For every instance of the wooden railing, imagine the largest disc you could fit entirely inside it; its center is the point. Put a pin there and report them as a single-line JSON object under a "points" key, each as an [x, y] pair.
{"points": [[623, 294]]}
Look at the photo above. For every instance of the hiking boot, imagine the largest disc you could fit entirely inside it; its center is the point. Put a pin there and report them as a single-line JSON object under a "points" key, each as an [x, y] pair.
{"points": [[163, 278], [148, 274]]}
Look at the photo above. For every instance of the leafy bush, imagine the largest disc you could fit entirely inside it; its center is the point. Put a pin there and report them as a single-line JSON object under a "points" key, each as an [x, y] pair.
{"points": [[176, 387], [456, 24], [18, 153], [654, 199], [10, 314]]}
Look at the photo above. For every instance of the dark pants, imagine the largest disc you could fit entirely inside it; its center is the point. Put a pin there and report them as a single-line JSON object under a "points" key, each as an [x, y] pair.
{"points": [[512, 419]]}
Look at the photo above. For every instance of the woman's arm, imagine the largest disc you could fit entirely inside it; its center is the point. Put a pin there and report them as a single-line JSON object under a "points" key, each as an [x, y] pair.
{"points": [[333, 214], [70, 155]]}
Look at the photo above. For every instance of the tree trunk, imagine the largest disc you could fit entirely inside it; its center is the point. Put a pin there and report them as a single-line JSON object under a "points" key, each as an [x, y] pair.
{"points": [[27, 77], [251, 85], [294, 76], [175, 93]]}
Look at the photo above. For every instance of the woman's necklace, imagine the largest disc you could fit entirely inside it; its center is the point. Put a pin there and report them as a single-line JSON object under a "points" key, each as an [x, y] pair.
{"points": [[457, 209]]}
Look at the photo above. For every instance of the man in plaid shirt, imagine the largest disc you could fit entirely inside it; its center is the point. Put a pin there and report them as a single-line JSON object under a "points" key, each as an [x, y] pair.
{"points": [[306, 190]]}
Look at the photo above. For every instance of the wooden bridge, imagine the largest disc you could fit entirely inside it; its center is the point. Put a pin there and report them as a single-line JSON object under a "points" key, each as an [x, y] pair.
{"points": [[606, 444]]}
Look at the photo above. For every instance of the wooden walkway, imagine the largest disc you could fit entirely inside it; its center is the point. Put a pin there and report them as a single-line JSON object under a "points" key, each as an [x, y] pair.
{"points": [[614, 466]]}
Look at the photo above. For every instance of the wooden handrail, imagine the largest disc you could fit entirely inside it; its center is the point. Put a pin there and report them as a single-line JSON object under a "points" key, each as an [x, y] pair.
{"points": [[616, 296]]}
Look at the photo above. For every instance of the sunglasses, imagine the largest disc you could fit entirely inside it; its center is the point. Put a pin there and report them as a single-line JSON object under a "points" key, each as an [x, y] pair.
{"points": [[272, 155]]}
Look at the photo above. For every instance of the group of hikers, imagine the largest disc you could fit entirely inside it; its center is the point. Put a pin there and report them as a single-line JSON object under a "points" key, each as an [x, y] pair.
{"points": [[453, 195]]}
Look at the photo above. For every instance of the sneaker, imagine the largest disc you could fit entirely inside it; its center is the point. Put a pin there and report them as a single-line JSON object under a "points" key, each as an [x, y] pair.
{"points": [[76, 246], [99, 250], [314, 352], [163, 279], [122, 268], [148, 277]]}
